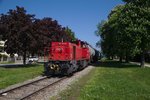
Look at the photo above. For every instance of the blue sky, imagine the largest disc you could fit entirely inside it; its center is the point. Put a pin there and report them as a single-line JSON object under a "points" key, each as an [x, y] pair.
{"points": [[81, 16]]}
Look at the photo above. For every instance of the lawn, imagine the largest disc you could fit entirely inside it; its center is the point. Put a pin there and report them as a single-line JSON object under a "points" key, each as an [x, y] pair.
{"points": [[10, 76], [7, 62], [112, 81]]}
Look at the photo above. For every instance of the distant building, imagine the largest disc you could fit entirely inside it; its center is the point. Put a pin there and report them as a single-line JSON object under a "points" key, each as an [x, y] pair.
{"points": [[3, 55]]}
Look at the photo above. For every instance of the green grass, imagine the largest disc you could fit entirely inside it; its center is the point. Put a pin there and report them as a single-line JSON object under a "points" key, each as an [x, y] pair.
{"points": [[7, 62], [113, 81], [10, 76]]}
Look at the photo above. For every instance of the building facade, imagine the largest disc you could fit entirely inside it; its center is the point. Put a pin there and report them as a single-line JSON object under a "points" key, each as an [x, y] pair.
{"points": [[3, 55]]}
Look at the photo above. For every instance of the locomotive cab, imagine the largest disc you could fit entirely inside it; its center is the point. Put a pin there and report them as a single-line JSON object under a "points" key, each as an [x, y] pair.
{"points": [[61, 58], [66, 58]]}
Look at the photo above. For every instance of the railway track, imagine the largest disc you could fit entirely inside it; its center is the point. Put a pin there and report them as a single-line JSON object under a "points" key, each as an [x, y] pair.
{"points": [[25, 91]]}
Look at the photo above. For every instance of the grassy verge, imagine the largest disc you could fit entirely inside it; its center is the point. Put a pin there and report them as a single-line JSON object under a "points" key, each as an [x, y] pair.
{"points": [[113, 81], [10, 76]]}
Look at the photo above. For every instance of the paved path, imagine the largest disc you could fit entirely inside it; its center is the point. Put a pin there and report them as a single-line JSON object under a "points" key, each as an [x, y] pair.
{"points": [[17, 63], [10, 65], [137, 63]]}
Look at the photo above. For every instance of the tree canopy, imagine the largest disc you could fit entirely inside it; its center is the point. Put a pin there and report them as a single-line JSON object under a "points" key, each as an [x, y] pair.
{"points": [[16, 31], [24, 34], [126, 32]]}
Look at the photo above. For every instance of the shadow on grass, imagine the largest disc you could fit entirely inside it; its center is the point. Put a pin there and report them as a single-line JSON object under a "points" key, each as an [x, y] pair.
{"points": [[19, 66], [114, 64]]}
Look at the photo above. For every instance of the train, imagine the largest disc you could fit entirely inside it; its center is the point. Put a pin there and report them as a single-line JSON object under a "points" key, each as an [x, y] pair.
{"points": [[65, 58]]}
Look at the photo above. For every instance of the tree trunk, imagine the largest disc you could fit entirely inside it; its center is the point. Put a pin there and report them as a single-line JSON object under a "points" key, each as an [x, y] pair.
{"points": [[12, 59], [112, 57], [24, 57], [142, 60], [109, 58], [127, 57], [32, 55], [120, 58]]}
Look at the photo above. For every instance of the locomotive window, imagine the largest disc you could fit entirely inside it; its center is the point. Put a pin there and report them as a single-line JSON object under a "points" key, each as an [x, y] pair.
{"points": [[83, 44]]}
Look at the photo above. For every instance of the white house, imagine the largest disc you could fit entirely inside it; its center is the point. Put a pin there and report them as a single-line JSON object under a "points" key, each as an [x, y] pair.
{"points": [[3, 55]]}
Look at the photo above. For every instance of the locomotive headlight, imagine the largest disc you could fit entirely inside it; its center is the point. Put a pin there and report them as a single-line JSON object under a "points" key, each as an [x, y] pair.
{"points": [[52, 66], [57, 67]]}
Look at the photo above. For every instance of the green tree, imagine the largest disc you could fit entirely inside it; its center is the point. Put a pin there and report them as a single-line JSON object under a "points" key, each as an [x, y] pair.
{"points": [[109, 33], [128, 26], [115, 32], [107, 45], [135, 19], [70, 33]]}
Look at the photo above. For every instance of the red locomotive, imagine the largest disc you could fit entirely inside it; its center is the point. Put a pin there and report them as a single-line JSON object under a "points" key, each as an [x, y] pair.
{"points": [[66, 58]]}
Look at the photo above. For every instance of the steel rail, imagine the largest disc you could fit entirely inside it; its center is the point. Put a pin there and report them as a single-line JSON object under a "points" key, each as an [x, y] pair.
{"points": [[39, 90], [9, 90]]}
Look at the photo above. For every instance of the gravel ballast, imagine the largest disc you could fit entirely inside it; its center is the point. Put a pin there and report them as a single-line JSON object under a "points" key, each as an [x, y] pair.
{"points": [[56, 89]]}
